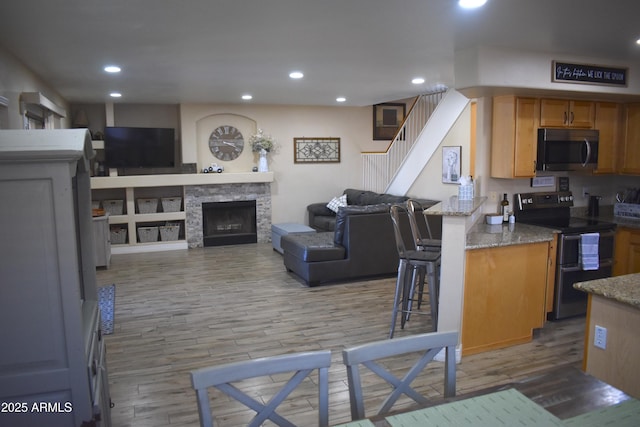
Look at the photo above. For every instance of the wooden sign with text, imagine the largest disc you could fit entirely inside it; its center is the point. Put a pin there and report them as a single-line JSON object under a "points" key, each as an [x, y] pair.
{"points": [[566, 72]]}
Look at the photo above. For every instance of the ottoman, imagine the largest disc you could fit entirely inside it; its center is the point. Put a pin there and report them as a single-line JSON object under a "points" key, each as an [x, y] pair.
{"points": [[279, 230]]}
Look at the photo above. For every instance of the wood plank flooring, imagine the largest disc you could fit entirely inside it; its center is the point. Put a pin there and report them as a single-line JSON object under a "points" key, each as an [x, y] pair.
{"points": [[181, 310]]}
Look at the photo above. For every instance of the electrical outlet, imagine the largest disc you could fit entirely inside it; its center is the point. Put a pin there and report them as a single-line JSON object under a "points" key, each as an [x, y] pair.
{"points": [[600, 339], [493, 196]]}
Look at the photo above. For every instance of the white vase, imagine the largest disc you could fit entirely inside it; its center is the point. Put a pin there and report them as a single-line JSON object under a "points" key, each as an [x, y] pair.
{"points": [[263, 165]]}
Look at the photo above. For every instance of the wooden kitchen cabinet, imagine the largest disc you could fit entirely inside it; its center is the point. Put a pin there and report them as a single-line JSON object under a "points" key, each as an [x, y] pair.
{"points": [[567, 113], [514, 137], [630, 156], [504, 296], [608, 122], [627, 251]]}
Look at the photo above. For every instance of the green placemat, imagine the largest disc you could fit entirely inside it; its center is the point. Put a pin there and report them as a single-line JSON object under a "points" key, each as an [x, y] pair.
{"points": [[625, 414], [504, 408], [359, 423]]}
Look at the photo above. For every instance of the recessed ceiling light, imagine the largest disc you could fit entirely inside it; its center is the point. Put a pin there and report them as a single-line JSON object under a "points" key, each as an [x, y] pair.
{"points": [[247, 97], [341, 99], [471, 4], [638, 41], [115, 94], [296, 75], [417, 81], [112, 69]]}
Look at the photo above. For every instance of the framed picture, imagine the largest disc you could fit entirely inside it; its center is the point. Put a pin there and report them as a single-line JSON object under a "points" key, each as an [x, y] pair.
{"points": [[316, 150], [451, 164], [387, 118]]}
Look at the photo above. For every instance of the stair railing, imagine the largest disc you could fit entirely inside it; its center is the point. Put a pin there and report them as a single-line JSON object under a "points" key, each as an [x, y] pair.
{"points": [[378, 168]]}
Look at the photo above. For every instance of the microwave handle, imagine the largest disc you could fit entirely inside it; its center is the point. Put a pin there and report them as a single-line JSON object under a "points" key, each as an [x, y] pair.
{"points": [[586, 162]]}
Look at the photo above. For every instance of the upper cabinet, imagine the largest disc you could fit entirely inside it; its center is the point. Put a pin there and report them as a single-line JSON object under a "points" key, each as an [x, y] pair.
{"points": [[608, 121], [630, 156], [514, 136], [564, 113]]}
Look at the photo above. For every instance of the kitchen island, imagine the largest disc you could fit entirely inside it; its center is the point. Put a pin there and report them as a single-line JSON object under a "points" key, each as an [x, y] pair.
{"points": [[614, 304]]}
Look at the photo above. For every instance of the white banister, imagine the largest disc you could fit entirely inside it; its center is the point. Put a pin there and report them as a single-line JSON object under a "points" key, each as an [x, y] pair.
{"points": [[378, 169]]}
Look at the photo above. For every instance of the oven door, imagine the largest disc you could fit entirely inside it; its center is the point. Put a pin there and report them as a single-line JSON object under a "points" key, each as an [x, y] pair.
{"points": [[569, 301]]}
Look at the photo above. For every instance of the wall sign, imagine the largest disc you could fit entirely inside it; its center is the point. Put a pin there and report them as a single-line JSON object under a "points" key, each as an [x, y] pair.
{"points": [[565, 72]]}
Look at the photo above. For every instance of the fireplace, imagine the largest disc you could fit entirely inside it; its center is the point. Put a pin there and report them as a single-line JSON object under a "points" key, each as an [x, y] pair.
{"points": [[229, 223]]}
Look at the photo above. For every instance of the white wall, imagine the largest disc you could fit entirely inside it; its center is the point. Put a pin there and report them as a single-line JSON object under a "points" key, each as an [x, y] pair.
{"points": [[296, 185], [16, 78]]}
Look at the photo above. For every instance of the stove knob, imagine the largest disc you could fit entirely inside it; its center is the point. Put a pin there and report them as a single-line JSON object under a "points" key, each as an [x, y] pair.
{"points": [[561, 198], [570, 198], [530, 200]]}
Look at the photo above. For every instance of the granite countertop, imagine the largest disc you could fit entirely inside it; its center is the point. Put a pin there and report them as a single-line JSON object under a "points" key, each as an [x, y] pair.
{"points": [[625, 289], [456, 207], [483, 235]]}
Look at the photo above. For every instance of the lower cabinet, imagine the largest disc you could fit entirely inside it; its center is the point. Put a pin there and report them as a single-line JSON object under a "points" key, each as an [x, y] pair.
{"points": [[627, 251], [504, 296]]}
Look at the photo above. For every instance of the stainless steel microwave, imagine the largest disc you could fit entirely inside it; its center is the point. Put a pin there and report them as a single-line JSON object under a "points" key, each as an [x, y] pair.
{"points": [[567, 149]]}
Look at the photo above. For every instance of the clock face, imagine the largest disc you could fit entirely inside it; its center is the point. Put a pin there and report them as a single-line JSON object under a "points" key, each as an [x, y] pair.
{"points": [[226, 142]]}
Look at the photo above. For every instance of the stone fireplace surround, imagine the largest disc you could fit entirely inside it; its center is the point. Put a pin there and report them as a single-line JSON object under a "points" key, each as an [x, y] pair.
{"points": [[195, 195]]}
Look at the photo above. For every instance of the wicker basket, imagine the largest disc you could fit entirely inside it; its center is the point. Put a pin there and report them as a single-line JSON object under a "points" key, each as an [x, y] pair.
{"points": [[169, 232], [113, 207], [118, 235], [171, 204], [147, 206], [147, 234]]}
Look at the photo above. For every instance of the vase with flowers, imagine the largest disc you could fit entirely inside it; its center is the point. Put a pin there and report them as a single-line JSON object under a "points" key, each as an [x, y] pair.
{"points": [[262, 144]]}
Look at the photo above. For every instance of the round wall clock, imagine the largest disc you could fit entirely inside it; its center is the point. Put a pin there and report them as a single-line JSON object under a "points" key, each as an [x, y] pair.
{"points": [[226, 142]]}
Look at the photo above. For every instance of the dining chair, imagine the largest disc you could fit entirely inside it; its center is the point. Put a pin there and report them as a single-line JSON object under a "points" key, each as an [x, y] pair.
{"points": [[301, 365], [418, 217], [369, 355], [413, 266]]}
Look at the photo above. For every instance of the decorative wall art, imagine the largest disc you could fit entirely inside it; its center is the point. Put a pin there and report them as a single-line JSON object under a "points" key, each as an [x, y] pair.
{"points": [[387, 118], [451, 164], [316, 150]]}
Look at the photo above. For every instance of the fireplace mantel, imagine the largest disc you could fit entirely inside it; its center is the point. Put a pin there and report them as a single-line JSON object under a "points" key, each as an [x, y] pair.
{"points": [[101, 182]]}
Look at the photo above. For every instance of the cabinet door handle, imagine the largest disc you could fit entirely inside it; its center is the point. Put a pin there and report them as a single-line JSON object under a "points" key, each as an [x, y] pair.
{"points": [[565, 118], [571, 122]]}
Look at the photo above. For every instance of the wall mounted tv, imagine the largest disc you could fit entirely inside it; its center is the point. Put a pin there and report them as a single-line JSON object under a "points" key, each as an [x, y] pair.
{"points": [[132, 147]]}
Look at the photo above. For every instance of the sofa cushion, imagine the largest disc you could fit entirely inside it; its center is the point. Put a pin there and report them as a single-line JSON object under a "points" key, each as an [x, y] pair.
{"points": [[344, 212], [324, 222], [312, 247], [337, 202], [319, 209]]}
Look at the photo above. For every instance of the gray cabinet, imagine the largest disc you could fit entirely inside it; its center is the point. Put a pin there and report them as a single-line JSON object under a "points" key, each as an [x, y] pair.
{"points": [[102, 241], [52, 363]]}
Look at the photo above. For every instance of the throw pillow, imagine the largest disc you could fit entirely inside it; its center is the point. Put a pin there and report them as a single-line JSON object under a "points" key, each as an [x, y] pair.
{"points": [[337, 202]]}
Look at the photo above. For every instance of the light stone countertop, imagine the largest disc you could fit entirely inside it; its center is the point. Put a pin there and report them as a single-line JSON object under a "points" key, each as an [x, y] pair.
{"points": [[455, 207], [624, 289], [482, 235]]}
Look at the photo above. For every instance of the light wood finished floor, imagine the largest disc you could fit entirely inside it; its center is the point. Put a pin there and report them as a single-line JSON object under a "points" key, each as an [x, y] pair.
{"points": [[181, 310]]}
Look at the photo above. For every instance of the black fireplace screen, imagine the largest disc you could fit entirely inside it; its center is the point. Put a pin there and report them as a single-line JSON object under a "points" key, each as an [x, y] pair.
{"points": [[229, 223]]}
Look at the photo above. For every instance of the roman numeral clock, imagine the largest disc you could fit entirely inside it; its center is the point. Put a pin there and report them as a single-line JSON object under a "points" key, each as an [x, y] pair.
{"points": [[226, 143]]}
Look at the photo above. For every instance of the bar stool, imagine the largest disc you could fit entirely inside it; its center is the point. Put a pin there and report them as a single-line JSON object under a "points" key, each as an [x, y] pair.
{"points": [[422, 243], [413, 266]]}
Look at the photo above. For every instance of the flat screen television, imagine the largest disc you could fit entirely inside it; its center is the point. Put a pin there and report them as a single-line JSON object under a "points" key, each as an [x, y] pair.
{"points": [[133, 147]]}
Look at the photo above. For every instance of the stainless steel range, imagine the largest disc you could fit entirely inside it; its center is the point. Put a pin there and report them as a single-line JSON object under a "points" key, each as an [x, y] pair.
{"points": [[553, 210]]}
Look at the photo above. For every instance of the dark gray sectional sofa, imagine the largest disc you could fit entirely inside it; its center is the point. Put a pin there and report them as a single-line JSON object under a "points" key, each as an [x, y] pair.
{"points": [[357, 242]]}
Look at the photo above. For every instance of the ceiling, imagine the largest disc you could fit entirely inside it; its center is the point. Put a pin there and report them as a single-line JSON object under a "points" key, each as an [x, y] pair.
{"points": [[214, 51]]}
